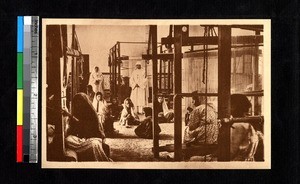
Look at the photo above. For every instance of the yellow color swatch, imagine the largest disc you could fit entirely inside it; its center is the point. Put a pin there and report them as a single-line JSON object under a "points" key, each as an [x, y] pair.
{"points": [[20, 107]]}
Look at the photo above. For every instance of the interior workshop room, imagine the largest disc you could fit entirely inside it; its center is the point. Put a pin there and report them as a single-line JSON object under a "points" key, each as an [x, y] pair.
{"points": [[144, 93]]}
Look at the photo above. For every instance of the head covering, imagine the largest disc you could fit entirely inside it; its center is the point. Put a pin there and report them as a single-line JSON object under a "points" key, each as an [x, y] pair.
{"points": [[129, 110], [99, 106], [239, 105], [163, 106], [88, 125], [129, 101], [98, 72], [138, 63], [99, 93], [196, 99], [148, 111]]}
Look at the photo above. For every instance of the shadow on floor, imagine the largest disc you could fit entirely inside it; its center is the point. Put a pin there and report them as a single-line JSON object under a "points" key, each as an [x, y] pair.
{"points": [[166, 137]]}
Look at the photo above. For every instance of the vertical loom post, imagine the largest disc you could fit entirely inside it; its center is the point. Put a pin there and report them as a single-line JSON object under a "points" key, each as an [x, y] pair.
{"points": [[153, 32], [177, 90], [255, 74], [224, 72]]}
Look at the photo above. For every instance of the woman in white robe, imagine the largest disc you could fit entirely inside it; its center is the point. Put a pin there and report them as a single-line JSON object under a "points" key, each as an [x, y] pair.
{"points": [[138, 84], [97, 80]]}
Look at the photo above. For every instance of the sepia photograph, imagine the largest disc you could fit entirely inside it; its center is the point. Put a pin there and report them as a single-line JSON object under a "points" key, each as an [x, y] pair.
{"points": [[156, 94]]}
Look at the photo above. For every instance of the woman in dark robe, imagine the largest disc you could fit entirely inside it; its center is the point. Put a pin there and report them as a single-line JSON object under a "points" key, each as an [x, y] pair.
{"points": [[144, 130], [86, 136]]}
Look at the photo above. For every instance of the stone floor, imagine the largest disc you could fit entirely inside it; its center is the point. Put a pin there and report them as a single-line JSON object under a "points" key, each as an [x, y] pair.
{"points": [[128, 147]]}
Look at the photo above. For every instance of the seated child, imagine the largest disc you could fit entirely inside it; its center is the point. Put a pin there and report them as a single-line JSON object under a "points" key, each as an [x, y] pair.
{"points": [[115, 109], [165, 115], [144, 130], [128, 117]]}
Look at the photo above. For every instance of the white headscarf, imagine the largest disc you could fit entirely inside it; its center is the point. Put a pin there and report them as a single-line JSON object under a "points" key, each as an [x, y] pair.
{"points": [[102, 105], [97, 76], [166, 110], [138, 63]]}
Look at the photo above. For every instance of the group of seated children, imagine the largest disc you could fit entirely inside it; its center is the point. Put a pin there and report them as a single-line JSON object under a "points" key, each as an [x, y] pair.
{"points": [[94, 122], [125, 114], [86, 134]]}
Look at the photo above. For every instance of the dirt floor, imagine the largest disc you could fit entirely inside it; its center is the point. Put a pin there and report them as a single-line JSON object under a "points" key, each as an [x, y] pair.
{"points": [[128, 147]]}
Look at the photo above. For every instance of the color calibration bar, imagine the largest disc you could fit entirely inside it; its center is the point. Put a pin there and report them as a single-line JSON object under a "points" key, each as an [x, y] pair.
{"points": [[27, 88], [20, 108], [34, 90]]}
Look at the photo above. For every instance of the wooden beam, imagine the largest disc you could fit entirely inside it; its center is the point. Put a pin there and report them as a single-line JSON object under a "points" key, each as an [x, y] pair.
{"points": [[110, 74], [194, 40], [242, 26], [255, 76], [177, 90], [153, 32], [160, 74], [199, 53], [119, 67], [224, 74], [244, 40], [256, 121], [201, 40], [73, 65], [238, 53], [164, 56], [123, 58], [73, 52], [113, 92], [169, 79], [249, 27], [54, 53], [249, 119], [250, 93]]}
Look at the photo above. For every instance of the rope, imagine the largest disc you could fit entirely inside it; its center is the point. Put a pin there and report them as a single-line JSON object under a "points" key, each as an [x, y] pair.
{"points": [[204, 58], [208, 32]]}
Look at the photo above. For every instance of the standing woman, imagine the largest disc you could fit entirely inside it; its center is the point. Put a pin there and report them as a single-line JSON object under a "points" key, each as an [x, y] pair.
{"points": [[138, 84], [128, 117], [97, 80]]}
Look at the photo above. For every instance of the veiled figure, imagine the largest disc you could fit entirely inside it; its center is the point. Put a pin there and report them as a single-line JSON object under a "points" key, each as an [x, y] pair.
{"points": [[86, 136]]}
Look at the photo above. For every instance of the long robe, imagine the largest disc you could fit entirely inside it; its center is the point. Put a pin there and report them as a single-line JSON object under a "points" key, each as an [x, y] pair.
{"points": [[97, 82], [144, 130], [86, 136], [165, 114], [128, 116], [101, 109], [138, 94]]}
